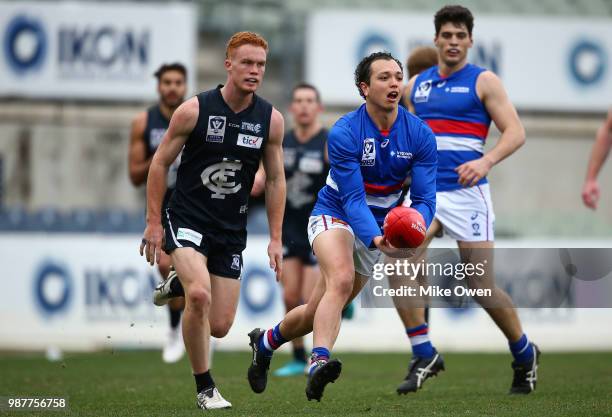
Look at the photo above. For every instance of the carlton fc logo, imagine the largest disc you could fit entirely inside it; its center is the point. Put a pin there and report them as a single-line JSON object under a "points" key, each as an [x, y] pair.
{"points": [[221, 179], [216, 129], [421, 95], [236, 262]]}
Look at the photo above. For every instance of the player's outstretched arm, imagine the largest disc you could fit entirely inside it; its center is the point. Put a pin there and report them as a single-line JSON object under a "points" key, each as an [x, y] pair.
{"points": [[138, 163], [182, 123], [275, 190], [492, 93], [599, 153]]}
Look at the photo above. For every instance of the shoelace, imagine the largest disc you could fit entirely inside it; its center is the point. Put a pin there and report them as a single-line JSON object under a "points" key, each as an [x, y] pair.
{"points": [[315, 365], [532, 377], [265, 361]]}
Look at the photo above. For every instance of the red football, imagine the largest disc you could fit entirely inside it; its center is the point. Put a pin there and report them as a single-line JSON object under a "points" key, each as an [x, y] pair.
{"points": [[404, 227]]}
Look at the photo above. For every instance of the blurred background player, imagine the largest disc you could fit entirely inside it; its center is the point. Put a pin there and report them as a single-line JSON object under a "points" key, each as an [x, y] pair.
{"points": [[420, 58], [225, 132], [306, 167], [148, 129], [458, 100], [368, 154], [599, 154]]}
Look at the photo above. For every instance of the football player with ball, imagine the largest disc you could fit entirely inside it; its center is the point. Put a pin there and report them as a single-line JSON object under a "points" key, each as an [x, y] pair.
{"points": [[371, 152]]}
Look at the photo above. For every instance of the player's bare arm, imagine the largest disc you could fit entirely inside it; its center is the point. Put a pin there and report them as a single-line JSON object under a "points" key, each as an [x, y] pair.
{"points": [[259, 183], [601, 149], [138, 163], [182, 123], [408, 92], [492, 93], [275, 190]]}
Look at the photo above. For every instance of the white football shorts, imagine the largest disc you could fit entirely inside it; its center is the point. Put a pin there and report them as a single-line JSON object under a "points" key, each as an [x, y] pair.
{"points": [[466, 214], [363, 258]]}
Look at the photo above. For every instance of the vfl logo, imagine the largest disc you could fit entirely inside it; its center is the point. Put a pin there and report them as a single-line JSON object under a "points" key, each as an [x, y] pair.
{"points": [[369, 153], [422, 93], [217, 178], [236, 262], [216, 129]]}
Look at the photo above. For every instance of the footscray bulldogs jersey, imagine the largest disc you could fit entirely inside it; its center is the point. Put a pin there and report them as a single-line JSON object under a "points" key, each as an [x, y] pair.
{"points": [[452, 109]]}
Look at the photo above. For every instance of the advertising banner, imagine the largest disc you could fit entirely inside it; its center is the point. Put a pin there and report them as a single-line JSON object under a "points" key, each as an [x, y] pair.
{"points": [[92, 51], [545, 63], [85, 292]]}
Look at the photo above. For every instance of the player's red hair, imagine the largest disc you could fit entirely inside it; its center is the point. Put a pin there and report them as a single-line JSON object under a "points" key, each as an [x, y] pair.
{"points": [[244, 38]]}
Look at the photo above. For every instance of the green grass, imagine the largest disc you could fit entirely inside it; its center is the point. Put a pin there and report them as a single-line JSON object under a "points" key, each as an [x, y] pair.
{"points": [[138, 384]]}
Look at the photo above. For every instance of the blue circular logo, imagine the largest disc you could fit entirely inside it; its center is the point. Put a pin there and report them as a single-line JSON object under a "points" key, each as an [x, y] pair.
{"points": [[25, 44], [48, 272], [258, 290], [587, 62], [374, 42]]}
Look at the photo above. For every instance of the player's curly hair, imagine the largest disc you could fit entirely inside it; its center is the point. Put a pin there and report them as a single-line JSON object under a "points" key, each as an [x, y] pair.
{"points": [[454, 14], [363, 72], [244, 38]]}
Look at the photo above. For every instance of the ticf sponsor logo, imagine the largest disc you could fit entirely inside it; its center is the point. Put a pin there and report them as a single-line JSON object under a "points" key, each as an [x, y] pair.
{"points": [[249, 141]]}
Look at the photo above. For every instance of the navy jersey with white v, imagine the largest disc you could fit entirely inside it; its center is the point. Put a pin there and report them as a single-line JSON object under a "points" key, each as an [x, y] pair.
{"points": [[368, 169], [305, 173], [155, 128], [219, 162]]}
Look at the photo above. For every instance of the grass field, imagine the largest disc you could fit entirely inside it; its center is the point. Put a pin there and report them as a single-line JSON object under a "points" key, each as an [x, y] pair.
{"points": [[138, 384]]}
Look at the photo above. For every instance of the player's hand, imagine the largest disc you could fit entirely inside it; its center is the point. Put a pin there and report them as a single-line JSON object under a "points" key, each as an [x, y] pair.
{"points": [[590, 194], [473, 171], [388, 249], [275, 253], [152, 242]]}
